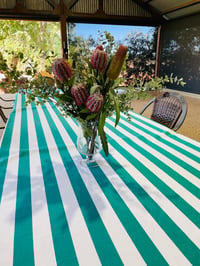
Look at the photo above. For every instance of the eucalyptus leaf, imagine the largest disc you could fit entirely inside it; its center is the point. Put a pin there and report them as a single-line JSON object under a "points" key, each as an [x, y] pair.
{"points": [[117, 110]]}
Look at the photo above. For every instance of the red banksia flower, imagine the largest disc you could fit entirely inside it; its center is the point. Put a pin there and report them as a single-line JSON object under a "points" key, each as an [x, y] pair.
{"points": [[94, 102], [61, 70], [116, 63], [79, 93], [99, 59]]}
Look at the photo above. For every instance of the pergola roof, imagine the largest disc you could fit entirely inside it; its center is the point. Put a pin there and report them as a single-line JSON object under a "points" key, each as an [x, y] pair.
{"points": [[140, 12], [172, 9]]}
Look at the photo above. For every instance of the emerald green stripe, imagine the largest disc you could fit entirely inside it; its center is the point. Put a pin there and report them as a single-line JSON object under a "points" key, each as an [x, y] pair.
{"points": [[130, 223], [187, 247], [179, 178], [100, 237], [187, 143], [4, 149], [180, 203], [23, 238], [63, 245], [168, 134]]}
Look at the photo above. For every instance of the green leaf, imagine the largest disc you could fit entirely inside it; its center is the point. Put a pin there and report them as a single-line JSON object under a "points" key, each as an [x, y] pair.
{"points": [[92, 116], [94, 88], [64, 97], [71, 82], [101, 132], [104, 142], [117, 110], [102, 121], [85, 111]]}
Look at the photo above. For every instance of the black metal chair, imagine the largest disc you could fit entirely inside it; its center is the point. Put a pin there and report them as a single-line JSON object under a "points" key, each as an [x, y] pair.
{"points": [[2, 108], [169, 109]]}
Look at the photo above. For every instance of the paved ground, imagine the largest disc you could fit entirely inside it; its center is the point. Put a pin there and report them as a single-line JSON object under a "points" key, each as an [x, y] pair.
{"points": [[190, 127]]}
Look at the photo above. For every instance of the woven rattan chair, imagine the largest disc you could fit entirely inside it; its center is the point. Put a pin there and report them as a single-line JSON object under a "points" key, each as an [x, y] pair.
{"points": [[169, 109], [2, 108]]}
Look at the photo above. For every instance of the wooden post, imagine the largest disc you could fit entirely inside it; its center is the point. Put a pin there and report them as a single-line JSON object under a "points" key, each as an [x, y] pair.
{"points": [[63, 30], [62, 11], [158, 52]]}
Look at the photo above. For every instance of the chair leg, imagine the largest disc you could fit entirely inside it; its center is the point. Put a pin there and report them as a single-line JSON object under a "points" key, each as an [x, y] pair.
{"points": [[3, 115]]}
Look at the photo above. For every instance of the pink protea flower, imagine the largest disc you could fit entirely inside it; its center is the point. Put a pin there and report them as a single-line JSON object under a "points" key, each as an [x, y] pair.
{"points": [[116, 63], [61, 70], [94, 102], [79, 93], [99, 59]]}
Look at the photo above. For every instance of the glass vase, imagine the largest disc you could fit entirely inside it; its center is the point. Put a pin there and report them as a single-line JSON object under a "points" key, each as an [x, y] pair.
{"points": [[88, 141]]}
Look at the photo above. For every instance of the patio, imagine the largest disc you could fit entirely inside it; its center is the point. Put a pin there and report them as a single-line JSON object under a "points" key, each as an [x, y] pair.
{"points": [[139, 203]]}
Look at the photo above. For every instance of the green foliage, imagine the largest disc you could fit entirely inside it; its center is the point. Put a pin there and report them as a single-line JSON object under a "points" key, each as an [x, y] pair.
{"points": [[141, 86], [42, 85], [141, 54], [107, 41], [101, 132], [30, 37]]}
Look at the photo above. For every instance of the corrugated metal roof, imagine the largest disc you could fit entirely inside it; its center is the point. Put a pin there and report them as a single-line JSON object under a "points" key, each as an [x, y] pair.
{"points": [[172, 9], [102, 9], [125, 8]]}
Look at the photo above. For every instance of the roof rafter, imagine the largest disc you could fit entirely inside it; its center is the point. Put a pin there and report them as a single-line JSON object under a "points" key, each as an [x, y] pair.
{"points": [[51, 3], [72, 3], [178, 7]]}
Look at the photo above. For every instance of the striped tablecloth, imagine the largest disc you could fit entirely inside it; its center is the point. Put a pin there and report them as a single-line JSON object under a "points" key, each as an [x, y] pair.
{"points": [[139, 206]]}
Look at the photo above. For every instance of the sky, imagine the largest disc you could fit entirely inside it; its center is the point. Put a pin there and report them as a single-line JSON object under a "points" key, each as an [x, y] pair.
{"points": [[118, 31]]}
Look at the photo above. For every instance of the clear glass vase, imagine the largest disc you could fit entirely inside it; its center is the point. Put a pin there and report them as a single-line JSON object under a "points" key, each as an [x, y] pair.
{"points": [[88, 141]]}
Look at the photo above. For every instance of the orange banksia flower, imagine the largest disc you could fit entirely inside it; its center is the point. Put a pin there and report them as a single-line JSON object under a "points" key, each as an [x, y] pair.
{"points": [[117, 63], [62, 70], [48, 76], [99, 59]]}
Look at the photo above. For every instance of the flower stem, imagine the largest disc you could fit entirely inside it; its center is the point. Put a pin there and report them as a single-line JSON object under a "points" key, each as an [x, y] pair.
{"points": [[92, 144]]}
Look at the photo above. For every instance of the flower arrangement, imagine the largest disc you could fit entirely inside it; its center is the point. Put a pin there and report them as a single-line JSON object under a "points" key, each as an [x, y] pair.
{"points": [[87, 93]]}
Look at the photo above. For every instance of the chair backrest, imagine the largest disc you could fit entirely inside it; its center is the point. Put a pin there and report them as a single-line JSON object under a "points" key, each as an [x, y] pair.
{"points": [[170, 110], [2, 108]]}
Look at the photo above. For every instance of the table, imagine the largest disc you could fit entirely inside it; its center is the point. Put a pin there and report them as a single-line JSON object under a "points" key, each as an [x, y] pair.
{"points": [[139, 206]]}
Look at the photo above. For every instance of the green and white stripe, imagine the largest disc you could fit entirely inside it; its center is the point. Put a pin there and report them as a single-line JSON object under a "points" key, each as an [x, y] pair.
{"points": [[139, 206]]}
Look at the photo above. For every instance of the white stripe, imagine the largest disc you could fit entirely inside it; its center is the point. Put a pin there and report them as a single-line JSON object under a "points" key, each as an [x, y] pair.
{"points": [[190, 229], [161, 240], [126, 248], [166, 246], [182, 221], [167, 130], [8, 201], [164, 146], [84, 246], [186, 174], [42, 238], [168, 180]]}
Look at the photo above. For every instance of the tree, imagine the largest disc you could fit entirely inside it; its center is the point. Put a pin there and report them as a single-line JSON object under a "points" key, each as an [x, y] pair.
{"points": [[141, 54], [33, 38], [181, 55]]}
